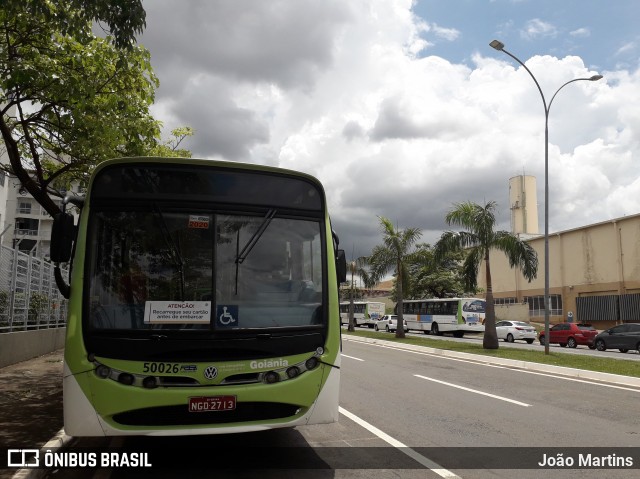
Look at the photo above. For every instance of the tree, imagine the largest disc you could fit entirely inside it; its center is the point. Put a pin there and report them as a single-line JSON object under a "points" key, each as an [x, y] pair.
{"points": [[357, 268], [123, 18], [70, 99], [169, 148], [431, 278], [394, 255], [479, 239]]}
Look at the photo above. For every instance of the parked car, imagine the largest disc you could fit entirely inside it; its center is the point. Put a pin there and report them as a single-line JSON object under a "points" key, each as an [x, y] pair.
{"points": [[388, 323], [571, 334], [512, 330], [623, 337]]}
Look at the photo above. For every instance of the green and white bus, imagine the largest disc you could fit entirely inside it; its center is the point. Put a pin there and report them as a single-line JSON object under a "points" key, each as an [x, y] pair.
{"points": [[203, 299], [365, 313], [448, 315]]}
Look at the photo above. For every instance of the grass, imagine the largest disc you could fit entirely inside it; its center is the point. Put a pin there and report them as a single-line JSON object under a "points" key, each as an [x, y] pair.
{"points": [[590, 363]]}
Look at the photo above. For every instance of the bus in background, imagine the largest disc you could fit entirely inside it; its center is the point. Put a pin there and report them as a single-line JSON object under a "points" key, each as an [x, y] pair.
{"points": [[203, 299], [365, 313], [450, 315]]}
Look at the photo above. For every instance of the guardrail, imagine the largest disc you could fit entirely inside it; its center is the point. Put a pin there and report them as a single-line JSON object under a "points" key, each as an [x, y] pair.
{"points": [[29, 297]]}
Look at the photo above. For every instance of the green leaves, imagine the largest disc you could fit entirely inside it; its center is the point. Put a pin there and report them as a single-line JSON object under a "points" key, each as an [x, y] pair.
{"points": [[122, 18], [71, 99], [478, 239], [397, 246]]}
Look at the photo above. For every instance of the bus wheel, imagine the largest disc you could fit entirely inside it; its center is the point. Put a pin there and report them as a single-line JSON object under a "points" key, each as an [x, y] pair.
{"points": [[435, 329]]}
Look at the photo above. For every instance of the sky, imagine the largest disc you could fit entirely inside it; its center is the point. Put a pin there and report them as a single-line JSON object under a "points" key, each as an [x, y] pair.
{"points": [[402, 109]]}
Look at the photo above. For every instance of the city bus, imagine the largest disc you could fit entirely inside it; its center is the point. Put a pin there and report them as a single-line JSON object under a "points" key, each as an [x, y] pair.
{"points": [[365, 313], [203, 299], [449, 315]]}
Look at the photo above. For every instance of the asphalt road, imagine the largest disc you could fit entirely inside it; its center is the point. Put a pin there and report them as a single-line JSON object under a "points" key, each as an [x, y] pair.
{"points": [[407, 414]]}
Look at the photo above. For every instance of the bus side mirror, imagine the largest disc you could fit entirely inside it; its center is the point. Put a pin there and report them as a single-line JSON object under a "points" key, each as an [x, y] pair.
{"points": [[63, 233], [341, 266]]}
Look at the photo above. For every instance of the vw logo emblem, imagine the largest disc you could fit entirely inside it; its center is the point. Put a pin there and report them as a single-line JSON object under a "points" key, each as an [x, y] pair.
{"points": [[210, 372]]}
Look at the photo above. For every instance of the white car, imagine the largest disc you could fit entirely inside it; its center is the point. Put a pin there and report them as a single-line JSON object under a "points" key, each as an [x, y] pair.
{"points": [[512, 330], [388, 323]]}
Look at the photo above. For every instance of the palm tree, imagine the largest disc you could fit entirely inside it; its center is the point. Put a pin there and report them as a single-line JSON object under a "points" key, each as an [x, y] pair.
{"points": [[394, 256], [359, 268], [478, 240]]}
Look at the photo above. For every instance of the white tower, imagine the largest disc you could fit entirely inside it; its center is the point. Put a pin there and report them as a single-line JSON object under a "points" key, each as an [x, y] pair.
{"points": [[523, 202]]}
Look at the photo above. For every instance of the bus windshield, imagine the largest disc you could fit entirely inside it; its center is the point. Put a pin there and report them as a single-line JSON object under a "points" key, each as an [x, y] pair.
{"points": [[157, 267]]}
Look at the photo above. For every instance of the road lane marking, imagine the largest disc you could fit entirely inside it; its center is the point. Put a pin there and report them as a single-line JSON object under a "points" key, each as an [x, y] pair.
{"points": [[560, 376], [513, 401], [429, 464], [479, 362], [351, 357]]}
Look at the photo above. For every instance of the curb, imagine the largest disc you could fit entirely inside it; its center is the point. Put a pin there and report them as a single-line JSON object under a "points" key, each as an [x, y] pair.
{"points": [[512, 363], [60, 440]]}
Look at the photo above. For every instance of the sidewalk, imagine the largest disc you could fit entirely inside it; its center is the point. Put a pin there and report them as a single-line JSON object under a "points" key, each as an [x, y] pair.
{"points": [[30, 402]]}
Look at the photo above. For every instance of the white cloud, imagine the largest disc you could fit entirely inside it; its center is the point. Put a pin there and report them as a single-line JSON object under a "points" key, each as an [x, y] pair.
{"points": [[449, 34], [581, 33], [626, 48], [537, 28], [335, 89]]}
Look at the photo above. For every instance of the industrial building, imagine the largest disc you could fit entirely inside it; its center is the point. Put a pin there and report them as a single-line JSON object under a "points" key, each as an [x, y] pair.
{"points": [[594, 270]]}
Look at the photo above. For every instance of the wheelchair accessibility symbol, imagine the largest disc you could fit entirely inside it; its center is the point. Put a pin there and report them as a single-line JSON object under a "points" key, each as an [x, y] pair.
{"points": [[227, 316]]}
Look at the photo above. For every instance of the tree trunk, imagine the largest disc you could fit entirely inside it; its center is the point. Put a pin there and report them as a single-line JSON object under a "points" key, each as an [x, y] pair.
{"points": [[34, 188], [490, 340]]}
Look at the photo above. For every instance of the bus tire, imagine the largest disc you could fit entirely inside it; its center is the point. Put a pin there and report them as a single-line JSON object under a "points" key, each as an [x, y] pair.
{"points": [[435, 330]]}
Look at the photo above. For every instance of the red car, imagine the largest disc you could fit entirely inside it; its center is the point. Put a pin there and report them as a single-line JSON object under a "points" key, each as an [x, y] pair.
{"points": [[571, 334]]}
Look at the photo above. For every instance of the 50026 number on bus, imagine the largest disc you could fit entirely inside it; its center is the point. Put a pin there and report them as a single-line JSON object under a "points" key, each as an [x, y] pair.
{"points": [[160, 368]]}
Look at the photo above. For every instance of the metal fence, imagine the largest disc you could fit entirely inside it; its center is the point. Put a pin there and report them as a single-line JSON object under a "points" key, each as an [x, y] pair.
{"points": [[29, 297], [611, 307]]}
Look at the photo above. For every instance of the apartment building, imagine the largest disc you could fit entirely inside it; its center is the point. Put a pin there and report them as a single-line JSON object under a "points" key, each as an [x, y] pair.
{"points": [[27, 226], [24, 224]]}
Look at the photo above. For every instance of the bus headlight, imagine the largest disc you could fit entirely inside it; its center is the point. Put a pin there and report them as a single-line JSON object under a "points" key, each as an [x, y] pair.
{"points": [[311, 363], [103, 371], [126, 379], [293, 371], [271, 377], [149, 382]]}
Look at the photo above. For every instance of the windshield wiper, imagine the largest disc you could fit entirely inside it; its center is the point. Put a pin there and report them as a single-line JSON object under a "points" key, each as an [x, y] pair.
{"points": [[242, 255]]}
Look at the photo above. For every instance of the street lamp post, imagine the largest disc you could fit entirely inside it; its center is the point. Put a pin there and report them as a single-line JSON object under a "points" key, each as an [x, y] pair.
{"points": [[500, 47]]}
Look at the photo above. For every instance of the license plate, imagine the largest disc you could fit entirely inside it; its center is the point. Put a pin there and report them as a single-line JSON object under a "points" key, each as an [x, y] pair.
{"points": [[212, 403]]}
